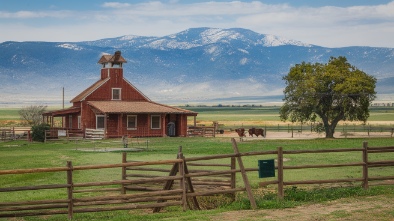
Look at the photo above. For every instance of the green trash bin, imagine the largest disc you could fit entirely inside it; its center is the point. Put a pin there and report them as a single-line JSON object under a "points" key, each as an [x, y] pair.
{"points": [[266, 168]]}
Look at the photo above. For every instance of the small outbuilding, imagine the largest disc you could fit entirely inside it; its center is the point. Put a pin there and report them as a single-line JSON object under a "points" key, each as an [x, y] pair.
{"points": [[117, 107]]}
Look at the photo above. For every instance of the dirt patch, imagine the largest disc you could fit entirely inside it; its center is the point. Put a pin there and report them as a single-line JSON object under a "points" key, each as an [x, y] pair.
{"points": [[377, 208], [302, 135]]}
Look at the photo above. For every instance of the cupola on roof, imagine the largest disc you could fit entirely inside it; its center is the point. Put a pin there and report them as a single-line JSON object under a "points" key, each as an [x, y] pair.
{"points": [[114, 59]]}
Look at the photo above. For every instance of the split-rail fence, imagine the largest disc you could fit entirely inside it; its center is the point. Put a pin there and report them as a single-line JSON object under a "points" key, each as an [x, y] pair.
{"points": [[186, 180]]}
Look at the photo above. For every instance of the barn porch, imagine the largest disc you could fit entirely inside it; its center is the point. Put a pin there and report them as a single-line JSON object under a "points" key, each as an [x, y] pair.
{"points": [[139, 119], [121, 118]]}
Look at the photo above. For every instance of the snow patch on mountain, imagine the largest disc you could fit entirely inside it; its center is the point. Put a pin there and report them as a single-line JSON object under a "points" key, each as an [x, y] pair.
{"points": [[243, 50], [128, 37], [213, 35], [243, 61], [70, 46], [272, 41], [163, 44]]}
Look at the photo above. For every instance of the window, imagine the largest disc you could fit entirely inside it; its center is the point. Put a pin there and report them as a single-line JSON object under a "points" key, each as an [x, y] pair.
{"points": [[100, 121], [131, 122], [155, 122], [116, 93]]}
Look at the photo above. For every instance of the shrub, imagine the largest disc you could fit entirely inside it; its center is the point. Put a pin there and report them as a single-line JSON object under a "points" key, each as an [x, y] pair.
{"points": [[38, 132]]}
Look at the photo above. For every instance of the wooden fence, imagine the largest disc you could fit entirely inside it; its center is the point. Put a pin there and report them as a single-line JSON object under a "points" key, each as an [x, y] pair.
{"points": [[15, 133], [201, 131], [55, 134], [365, 164], [345, 130], [180, 185]]}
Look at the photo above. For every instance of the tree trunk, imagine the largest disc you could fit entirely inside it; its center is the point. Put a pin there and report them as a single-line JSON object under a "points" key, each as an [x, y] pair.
{"points": [[329, 131], [329, 128]]}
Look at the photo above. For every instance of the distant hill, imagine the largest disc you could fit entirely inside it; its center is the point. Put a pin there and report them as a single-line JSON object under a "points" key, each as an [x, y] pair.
{"points": [[196, 65]]}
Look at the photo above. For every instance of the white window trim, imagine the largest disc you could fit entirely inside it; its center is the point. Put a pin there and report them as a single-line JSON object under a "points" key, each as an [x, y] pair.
{"points": [[136, 121], [120, 94], [97, 116], [151, 121]]}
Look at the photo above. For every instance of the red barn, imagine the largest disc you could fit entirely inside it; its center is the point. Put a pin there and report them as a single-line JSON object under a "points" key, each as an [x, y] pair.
{"points": [[116, 106]]}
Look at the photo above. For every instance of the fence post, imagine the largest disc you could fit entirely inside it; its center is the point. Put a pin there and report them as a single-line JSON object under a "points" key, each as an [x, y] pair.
{"points": [[29, 138], [280, 173], [70, 189], [124, 160], [369, 129], [68, 135], [244, 176], [233, 176], [365, 166], [183, 180]]}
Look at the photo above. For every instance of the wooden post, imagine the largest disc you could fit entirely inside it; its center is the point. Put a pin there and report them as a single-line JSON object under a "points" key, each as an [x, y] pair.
{"points": [[280, 173], [29, 138], [105, 125], [365, 166], [182, 181], [244, 176], [124, 160], [163, 125], [70, 189], [369, 128], [233, 176], [67, 135]]}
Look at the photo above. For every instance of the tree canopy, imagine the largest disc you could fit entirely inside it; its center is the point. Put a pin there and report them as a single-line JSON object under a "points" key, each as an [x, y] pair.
{"points": [[333, 92]]}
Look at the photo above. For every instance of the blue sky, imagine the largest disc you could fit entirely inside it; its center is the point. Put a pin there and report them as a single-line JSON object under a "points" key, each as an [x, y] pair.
{"points": [[329, 23]]}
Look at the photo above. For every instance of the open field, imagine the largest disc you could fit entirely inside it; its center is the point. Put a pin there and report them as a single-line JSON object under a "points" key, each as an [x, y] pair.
{"points": [[305, 202], [261, 116], [341, 202]]}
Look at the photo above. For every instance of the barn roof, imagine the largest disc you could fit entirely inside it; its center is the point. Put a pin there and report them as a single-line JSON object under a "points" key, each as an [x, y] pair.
{"points": [[137, 107], [89, 90], [63, 112]]}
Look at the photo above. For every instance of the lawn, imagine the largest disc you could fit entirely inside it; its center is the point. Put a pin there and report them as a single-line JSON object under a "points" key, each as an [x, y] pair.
{"points": [[20, 154]]}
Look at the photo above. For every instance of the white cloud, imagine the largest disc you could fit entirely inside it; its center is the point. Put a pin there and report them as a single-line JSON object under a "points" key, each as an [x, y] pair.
{"points": [[34, 14], [115, 5], [325, 26]]}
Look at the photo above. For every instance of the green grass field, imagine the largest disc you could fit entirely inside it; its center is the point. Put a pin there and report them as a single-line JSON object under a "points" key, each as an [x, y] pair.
{"points": [[20, 154]]}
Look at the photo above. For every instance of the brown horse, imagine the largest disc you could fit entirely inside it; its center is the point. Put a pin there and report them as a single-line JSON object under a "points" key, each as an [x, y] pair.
{"points": [[240, 132], [257, 132]]}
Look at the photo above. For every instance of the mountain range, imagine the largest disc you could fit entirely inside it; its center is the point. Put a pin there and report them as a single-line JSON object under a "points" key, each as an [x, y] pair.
{"points": [[198, 65]]}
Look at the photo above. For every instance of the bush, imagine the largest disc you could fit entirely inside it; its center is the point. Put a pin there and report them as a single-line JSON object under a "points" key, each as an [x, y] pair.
{"points": [[38, 132]]}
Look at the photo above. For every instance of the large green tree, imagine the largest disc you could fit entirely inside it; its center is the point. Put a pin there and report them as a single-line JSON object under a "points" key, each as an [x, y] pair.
{"points": [[334, 91]]}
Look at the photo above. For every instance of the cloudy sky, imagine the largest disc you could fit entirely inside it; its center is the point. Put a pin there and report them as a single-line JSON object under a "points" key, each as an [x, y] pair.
{"points": [[329, 23]]}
